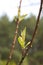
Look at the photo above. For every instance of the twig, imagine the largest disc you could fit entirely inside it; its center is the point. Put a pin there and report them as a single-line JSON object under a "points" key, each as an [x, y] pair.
{"points": [[36, 27], [14, 41]]}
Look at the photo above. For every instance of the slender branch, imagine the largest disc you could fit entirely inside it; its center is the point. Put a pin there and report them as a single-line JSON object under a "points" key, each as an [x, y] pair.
{"points": [[36, 27], [15, 36]]}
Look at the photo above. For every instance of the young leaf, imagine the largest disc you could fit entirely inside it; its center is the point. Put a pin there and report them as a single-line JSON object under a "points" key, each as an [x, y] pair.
{"points": [[22, 17], [23, 34], [19, 17], [27, 44], [21, 41]]}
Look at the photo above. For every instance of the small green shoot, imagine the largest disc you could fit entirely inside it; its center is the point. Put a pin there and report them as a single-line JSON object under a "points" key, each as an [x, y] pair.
{"points": [[21, 39]]}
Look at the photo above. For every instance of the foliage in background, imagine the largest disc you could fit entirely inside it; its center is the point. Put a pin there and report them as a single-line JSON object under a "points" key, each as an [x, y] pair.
{"points": [[7, 29]]}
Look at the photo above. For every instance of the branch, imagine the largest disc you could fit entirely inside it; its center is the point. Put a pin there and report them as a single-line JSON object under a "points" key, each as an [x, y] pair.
{"points": [[15, 37], [36, 27]]}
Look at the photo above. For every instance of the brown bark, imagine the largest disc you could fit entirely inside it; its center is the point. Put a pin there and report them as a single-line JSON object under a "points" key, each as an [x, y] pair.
{"points": [[36, 27], [15, 37]]}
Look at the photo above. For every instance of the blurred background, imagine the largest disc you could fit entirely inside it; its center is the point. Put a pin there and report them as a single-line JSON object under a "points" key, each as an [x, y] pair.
{"points": [[7, 31]]}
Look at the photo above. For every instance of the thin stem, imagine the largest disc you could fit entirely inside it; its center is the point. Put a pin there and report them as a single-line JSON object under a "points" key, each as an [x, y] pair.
{"points": [[15, 37], [36, 27], [13, 45]]}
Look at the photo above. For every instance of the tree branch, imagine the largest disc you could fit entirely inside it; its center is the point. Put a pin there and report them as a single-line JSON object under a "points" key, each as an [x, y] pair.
{"points": [[15, 36], [36, 27]]}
